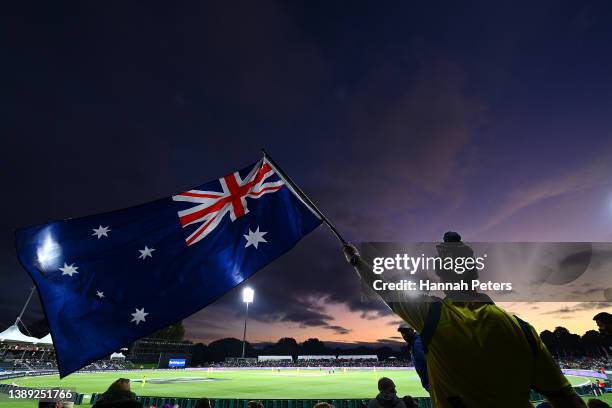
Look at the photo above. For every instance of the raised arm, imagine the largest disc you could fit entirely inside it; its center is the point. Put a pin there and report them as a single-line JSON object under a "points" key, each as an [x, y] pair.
{"points": [[413, 309], [361, 267]]}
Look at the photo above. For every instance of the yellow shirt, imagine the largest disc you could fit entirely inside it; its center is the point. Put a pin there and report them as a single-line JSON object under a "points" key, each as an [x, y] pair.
{"points": [[480, 354]]}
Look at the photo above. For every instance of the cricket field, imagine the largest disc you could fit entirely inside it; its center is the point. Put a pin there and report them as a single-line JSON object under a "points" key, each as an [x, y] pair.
{"points": [[241, 384]]}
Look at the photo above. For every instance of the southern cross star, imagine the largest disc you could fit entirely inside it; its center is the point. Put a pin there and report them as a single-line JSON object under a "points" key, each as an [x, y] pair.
{"points": [[254, 238], [101, 231], [146, 252], [69, 269], [138, 316]]}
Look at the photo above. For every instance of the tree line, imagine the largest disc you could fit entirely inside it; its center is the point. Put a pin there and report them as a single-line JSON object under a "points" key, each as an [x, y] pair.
{"points": [[218, 350], [560, 342]]}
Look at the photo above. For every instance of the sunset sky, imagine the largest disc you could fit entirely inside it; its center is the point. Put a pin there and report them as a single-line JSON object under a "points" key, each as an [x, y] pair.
{"points": [[401, 121]]}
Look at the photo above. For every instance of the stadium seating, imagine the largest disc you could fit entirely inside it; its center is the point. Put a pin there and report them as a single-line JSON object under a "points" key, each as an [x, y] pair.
{"points": [[423, 402], [268, 403]]}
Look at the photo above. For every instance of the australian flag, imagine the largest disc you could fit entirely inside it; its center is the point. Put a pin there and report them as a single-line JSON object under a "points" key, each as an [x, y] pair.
{"points": [[107, 280]]}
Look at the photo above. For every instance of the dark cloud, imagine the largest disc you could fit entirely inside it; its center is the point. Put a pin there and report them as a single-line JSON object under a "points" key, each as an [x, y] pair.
{"points": [[586, 292], [339, 329], [578, 307]]}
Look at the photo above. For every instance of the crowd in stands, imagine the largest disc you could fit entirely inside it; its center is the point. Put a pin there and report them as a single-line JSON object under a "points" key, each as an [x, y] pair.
{"points": [[337, 363], [28, 364], [586, 363], [34, 364], [108, 365]]}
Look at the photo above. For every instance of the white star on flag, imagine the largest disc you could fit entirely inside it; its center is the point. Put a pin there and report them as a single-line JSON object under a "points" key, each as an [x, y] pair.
{"points": [[254, 237], [101, 231], [146, 252], [69, 269], [99, 294], [138, 316]]}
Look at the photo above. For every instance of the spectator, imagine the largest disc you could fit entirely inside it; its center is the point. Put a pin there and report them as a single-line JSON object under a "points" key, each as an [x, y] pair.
{"points": [[118, 395], [387, 396], [55, 404], [604, 323], [595, 389], [596, 403], [409, 402], [543, 405], [205, 403], [412, 338], [467, 337], [602, 386], [323, 405]]}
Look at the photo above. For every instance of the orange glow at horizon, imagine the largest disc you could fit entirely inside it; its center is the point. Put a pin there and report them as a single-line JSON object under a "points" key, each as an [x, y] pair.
{"points": [[373, 328]]}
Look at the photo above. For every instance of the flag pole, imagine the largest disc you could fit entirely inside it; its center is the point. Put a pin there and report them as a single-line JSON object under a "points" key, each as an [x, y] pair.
{"points": [[25, 305], [298, 192]]}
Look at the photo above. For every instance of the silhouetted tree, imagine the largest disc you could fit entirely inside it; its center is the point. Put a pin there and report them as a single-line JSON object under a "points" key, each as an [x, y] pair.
{"points": [[550, 341], [315, 346], [287, 346], [592, 343], [218, 350], [384, 353], [200, 354], [568, 343]]}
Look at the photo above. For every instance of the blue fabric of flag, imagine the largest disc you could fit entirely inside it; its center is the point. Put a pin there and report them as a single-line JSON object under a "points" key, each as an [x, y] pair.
{"points": [[107, 280]]}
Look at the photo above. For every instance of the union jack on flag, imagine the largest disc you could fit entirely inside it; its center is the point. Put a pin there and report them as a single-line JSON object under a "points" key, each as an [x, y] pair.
{"points": [[212, 206]]}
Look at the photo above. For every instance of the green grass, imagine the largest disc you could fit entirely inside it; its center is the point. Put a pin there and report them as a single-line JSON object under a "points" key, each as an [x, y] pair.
{"points": [[242, 384], [252, 384]]}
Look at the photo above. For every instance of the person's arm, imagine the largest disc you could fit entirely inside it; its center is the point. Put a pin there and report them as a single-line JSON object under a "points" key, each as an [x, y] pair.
{"points": [[363, 269], [550, 381], [566, 401], [411, 309]]}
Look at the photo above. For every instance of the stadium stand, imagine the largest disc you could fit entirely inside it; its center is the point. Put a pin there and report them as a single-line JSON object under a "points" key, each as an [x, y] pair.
{"points": [[327, 362], [317, 358], [147, 350], [370, 357], [274, 358]]}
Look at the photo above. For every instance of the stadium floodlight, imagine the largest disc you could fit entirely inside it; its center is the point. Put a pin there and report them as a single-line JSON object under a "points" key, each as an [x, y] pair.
{"points": [[247, 297]]}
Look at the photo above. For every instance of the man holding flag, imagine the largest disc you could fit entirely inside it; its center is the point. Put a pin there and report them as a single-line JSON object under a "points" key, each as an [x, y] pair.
{"points": [[194, 246], [465, 336]]}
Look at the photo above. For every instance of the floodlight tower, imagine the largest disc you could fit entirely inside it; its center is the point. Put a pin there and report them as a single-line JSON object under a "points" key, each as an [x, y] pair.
{"points": [[247, 297]]}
